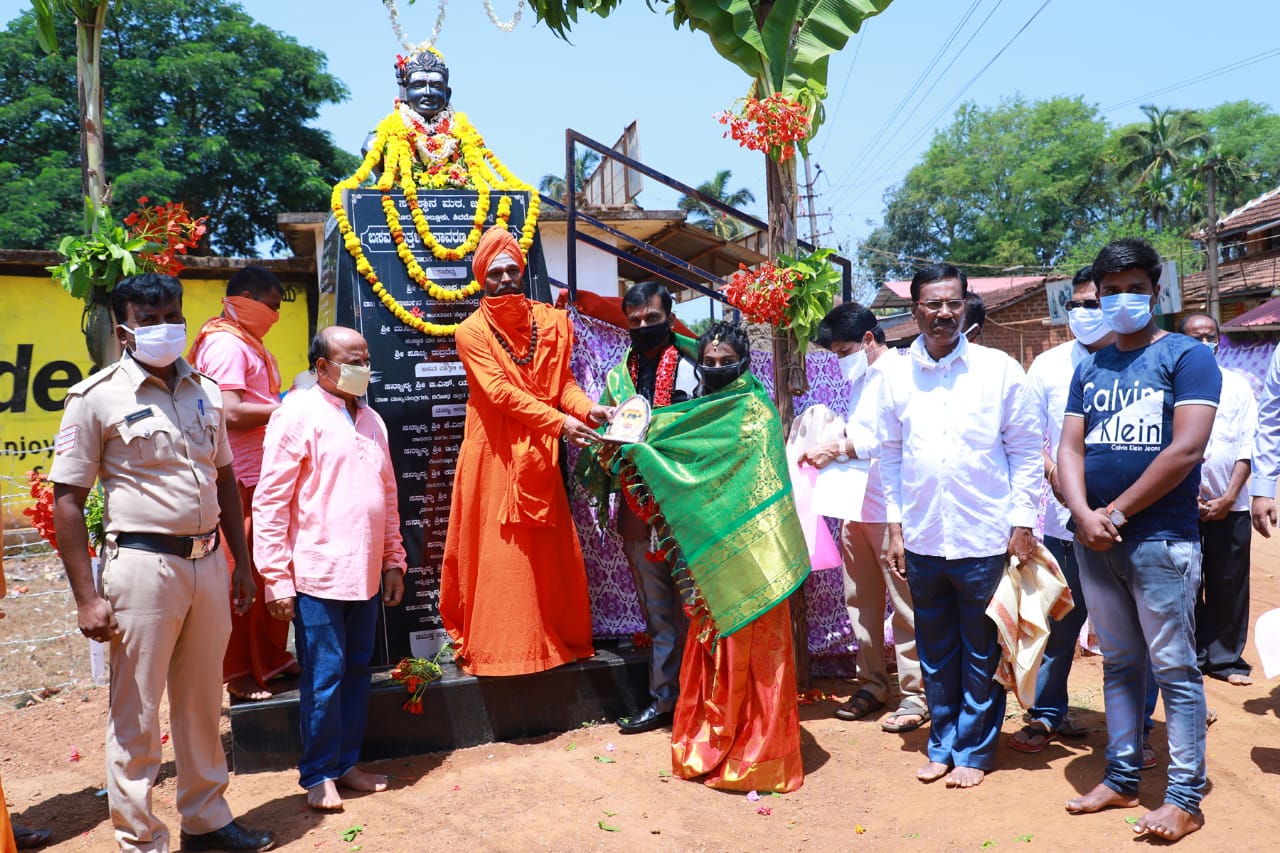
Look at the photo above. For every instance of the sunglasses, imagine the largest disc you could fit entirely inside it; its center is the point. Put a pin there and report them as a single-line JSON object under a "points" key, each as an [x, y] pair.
{"points": [[1072, 304]]}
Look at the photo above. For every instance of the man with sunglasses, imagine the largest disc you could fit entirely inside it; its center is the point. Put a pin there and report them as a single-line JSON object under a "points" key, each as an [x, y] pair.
{"points": [[1048, 382], [960, 462]]}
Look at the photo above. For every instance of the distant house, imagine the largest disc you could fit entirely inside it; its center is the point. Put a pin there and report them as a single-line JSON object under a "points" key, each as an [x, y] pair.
{"points": [[1248, 282], [1017, 314]]}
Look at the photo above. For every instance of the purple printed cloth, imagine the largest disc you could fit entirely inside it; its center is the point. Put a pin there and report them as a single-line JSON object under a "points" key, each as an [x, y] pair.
{"points": [[615, 607]]}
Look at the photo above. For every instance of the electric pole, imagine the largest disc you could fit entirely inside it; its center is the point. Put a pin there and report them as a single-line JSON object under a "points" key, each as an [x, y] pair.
{"points": [[1212, 306], [813, 216]]}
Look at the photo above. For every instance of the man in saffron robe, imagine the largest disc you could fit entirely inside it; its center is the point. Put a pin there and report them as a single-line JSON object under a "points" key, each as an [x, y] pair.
{"points": [[513, 588], [229, 350]]}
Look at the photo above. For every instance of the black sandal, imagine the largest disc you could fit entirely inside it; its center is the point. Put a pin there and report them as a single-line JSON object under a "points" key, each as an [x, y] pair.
{"points": [[860, 705]]}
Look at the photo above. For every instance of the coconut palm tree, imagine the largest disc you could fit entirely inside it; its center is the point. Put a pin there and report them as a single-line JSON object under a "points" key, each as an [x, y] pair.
{"points": [[584, 165], [1157, 148], [705, 216]]}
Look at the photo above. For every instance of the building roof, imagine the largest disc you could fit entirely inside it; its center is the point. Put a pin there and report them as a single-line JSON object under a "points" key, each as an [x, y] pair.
{"points": [[1262, 318], [1252, 274], [1256, 213], [995, 292]]}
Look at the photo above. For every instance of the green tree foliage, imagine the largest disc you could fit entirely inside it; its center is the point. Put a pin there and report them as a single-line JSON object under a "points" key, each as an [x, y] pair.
{"points": [[1249, 133], [1008, 186], [705, 216], [584, 165], [203, 106]]}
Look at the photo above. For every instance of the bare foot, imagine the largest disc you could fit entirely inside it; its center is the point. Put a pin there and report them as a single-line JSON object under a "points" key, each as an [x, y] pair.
{"points": [[965, 777], [245, 687], [324, 797], [932, 772], [1101, 797], [358, 780], [1169, 822], [1239, 680]]}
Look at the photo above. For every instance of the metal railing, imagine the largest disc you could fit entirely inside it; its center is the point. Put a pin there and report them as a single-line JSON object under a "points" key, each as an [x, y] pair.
{"points": [[573, 216]]}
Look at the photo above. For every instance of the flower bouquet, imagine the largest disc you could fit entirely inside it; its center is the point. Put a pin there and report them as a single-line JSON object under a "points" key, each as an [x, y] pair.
{"points": [[415, 674]]}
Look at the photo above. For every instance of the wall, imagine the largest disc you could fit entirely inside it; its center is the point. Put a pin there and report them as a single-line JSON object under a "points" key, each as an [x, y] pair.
{"points": [[597, 270], [42, 354], [1021, 329]]}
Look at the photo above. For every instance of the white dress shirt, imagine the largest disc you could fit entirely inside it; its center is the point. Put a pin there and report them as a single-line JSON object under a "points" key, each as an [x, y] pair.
{"points": [[862, 431], [1048, 383], [960, 451], [1266, 452], [1231, 440]]}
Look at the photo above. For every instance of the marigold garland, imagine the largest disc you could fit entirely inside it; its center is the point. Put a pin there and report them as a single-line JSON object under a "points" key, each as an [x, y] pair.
{"points": [[394, 146]]}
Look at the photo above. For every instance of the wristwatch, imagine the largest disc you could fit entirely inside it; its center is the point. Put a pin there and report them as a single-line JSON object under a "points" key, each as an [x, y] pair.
{"points": [[843, 455], [1116, 516]]}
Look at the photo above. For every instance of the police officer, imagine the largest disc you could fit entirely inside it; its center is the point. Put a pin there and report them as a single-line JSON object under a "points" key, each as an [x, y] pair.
{"points": [[151, 430]]}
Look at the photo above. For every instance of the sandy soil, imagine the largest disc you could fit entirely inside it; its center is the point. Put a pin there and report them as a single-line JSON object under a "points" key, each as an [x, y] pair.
{"points": [[593, 789]]}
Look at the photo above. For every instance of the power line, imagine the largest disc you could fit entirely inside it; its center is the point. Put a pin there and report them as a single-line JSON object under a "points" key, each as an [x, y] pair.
{"points": [[915, 87], [1199, 78], [928, 126], [844, 88]]}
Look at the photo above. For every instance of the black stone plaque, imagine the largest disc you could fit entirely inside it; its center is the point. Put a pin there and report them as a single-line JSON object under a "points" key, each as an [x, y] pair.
{"points": [[418, 387]]}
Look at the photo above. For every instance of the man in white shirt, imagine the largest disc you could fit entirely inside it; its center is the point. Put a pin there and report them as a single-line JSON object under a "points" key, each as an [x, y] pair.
{"points": [[960, 459], [1222, 610], [851, 332], [1048, 381]]}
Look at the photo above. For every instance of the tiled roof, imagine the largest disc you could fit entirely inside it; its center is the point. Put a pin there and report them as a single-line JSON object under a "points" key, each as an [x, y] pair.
{"points": [[995, 292], [1266, 314], [1259, 211], [1256, 274]]}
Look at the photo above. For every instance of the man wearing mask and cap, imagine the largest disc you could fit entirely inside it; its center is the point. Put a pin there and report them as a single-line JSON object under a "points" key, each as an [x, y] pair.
{"points": [[229, 349], [852, 332], [151, 430], [326, 539], [659, 366], [513, 587], [1048, 381], [1138, 419]]}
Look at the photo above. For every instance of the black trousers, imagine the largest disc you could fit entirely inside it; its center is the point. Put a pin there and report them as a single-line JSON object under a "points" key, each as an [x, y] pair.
{"points": [[1222, 611]]}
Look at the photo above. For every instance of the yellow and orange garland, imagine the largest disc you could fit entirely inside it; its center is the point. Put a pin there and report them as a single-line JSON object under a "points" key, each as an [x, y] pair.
{"points": [[394, 147]]}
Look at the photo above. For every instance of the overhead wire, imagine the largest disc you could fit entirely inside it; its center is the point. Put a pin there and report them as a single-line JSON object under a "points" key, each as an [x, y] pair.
{"points": [[1190, 81]]}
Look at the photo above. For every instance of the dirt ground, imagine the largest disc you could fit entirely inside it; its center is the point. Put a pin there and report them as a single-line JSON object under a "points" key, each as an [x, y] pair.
{"points": [[593, 789]]}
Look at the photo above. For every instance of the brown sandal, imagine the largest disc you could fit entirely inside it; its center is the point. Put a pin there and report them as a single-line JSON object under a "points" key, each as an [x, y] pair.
{"points": [[860, 705]]}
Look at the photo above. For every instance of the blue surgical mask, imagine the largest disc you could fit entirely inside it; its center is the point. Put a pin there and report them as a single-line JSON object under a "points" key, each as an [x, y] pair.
{"points": [[1127, 313], [1212, 345], [1088, 325]]}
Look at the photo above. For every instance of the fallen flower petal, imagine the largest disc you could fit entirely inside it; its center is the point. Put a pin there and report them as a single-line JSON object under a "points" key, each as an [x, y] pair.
{"points": [[752, 796], [764, 810]]}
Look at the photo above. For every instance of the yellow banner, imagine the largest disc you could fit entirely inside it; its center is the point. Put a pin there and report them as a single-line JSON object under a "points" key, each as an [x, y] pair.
{"points": [[42, 354]]}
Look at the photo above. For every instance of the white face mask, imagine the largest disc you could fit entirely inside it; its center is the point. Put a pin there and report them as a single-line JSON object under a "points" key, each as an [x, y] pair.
{"points": [[353, 379], [1088, 325], [159, 345], [1127, 312], [854, 365], [1212, 345]]}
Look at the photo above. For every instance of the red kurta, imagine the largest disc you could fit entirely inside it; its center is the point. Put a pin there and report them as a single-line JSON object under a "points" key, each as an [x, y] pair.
{"points": [[513, 588]]}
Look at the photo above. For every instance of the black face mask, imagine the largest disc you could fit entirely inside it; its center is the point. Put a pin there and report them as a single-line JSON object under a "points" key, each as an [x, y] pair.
{"points": [[647, 338], [715, 378]]}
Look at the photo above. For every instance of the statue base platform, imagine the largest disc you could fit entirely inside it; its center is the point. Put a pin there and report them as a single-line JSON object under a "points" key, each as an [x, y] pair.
{"points": [[458, 711]]}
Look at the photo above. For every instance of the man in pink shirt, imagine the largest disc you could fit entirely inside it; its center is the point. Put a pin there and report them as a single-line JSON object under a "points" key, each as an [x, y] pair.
{"points": [[327, 534], [229, 350]]}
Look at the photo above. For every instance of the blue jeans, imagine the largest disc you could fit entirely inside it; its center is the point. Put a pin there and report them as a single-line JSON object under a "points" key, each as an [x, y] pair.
{"points": [[1050, 706], [959, 651], [1142, 600], [334, 642]]}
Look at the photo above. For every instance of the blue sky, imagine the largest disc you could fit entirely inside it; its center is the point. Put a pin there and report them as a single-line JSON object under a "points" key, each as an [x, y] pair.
{"points": [[522, 89]]}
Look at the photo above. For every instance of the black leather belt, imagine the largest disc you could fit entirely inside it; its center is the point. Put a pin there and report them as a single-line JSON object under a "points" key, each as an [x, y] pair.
{"points": [[187, 547]]}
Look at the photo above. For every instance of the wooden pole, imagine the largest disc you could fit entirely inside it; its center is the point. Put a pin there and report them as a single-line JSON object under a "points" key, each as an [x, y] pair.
{"points": [[1212, 301]]}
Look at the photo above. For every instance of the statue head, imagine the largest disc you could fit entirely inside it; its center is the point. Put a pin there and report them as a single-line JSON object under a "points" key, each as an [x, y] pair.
{"points": [[424, 82]]}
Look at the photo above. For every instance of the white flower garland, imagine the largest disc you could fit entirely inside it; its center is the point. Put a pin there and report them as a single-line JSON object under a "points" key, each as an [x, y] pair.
{"points": [[394, 14]]}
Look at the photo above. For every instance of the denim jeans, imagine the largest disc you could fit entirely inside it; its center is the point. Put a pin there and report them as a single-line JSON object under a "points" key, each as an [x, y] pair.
{"points": [[959, 652], [1142, 600], [334, 642], [1050, 706]]}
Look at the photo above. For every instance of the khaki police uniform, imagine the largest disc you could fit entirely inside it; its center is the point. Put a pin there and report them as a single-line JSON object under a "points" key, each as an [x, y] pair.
{"points": [[157, 453]]}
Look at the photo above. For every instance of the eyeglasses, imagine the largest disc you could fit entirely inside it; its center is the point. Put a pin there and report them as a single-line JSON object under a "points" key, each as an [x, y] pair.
{"points": [[933, 306], [1206, 338], [1073, 304]]}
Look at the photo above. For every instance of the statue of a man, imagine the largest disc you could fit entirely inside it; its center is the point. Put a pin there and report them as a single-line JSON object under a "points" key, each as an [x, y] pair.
{"points": [[424, 84]]}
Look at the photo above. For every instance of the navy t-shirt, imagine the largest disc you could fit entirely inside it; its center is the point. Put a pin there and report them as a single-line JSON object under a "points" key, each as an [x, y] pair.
{"points": [[1127, 400]]}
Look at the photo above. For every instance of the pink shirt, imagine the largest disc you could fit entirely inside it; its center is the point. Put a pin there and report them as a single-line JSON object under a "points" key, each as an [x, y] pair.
{"points": [[234, 365], [325, 521]]}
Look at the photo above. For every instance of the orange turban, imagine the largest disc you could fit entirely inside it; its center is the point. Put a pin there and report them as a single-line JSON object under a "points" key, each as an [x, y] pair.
{"points": [[496, 241]]}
